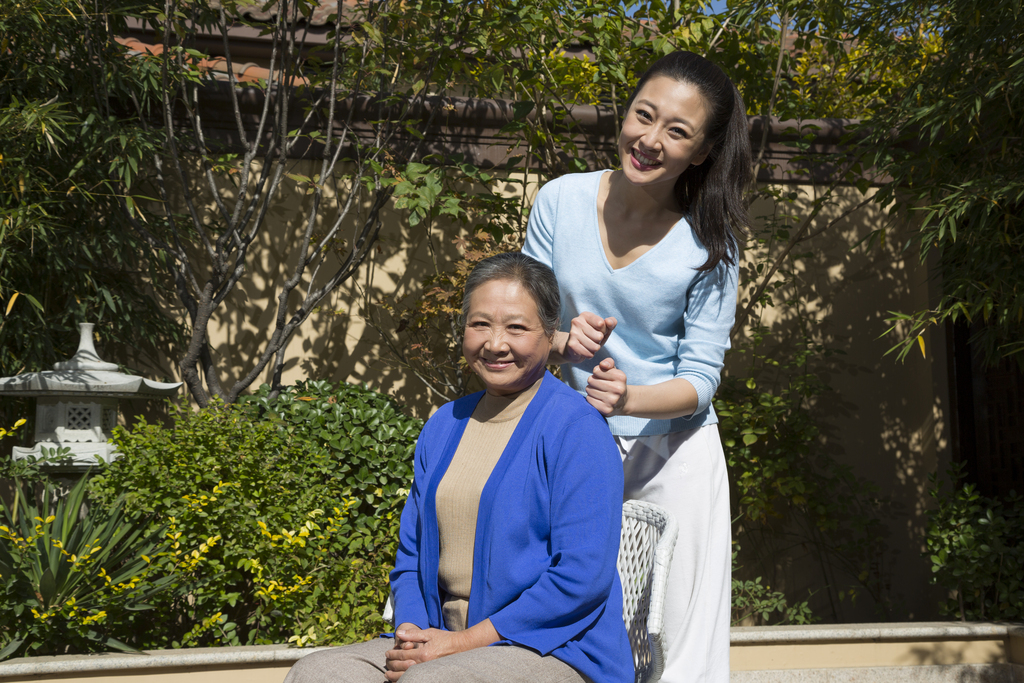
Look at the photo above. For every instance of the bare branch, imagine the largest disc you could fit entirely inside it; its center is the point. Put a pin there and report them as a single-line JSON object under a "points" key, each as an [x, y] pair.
{"points": [[171, 142], [714, 40], [197, 126], [795, 239]]}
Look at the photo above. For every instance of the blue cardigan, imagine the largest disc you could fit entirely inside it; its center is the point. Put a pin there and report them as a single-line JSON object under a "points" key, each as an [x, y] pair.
{"points": [[547, 534]]}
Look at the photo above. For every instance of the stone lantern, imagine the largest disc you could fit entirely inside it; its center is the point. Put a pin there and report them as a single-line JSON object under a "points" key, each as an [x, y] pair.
{"points": [[76, 404]]}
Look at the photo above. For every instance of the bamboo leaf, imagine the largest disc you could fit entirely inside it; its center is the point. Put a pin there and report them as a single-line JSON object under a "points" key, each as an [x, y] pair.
{"points": [[10, 305]]}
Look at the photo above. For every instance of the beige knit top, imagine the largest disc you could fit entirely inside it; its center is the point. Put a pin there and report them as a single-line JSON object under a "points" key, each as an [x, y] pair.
{"points": [[458, 495]]}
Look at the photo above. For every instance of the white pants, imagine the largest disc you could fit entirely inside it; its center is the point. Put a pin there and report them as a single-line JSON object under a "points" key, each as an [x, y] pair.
{"points": [[685, 473]]}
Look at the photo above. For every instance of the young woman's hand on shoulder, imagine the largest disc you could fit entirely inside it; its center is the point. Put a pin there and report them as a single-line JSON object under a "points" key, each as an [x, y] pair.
{"points": [[607, 389]]}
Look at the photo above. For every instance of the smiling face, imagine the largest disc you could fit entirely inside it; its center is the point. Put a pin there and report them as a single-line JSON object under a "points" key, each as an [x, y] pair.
{"points": [[663, 132], [505, 343]]}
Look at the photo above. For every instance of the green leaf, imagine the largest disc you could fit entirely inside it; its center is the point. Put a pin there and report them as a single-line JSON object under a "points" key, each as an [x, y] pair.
{"points": [[522, 109], [115, 644], [33, 301], [109, 299], [11, 648], [47, 587]]}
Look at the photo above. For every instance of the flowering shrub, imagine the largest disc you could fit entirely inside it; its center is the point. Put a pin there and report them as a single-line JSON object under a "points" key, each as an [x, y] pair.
{"points": [[272, 520], [282, 514]]}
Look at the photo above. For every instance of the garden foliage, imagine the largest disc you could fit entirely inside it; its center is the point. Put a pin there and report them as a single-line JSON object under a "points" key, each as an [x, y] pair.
{"points": [[68, 156], [286, 511], [950, 143], [754, 602], [976, 548], [73, 581]]}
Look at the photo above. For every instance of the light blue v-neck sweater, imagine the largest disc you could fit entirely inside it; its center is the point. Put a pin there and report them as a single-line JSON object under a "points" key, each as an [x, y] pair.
{"points": [[673, 321]]}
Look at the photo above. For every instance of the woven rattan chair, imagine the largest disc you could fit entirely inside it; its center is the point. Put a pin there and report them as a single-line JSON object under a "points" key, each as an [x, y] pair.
{"points": [[645, 553]]}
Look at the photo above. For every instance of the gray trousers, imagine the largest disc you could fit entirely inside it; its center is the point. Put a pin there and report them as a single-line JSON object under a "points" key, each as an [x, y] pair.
{"points": [[364, 663]]}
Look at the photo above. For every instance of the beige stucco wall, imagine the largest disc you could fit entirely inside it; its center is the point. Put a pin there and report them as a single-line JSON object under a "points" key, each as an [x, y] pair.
{"points": [[850, 655], [885, 418]]}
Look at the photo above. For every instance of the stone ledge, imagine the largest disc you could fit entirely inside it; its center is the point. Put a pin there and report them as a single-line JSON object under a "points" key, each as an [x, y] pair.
{"points": [[894, 632], [859, 647], [188, 658], [956, 673], [755, 654]]}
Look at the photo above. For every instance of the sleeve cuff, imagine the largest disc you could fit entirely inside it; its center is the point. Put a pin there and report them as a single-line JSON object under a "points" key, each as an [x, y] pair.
{"points": [[705, 390]]}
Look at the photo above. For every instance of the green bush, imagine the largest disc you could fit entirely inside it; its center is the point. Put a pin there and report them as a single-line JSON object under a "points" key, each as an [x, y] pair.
{"points": [[370, 443], [976, 548], [283, 511], [755, 603], [74, 583]]}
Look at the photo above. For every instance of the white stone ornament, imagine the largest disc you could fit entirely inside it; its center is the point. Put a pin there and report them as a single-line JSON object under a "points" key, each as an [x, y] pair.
{"points": [[76, 404]]}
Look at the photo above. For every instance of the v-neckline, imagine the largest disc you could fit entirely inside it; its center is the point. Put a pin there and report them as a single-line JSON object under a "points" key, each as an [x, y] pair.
{"points": [[602, 247]]}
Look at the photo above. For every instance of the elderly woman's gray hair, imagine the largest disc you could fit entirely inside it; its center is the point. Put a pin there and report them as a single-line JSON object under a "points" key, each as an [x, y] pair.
{"points": [[531, 274]]}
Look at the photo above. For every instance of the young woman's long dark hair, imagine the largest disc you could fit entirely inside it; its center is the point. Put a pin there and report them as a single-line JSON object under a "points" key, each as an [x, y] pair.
{"points": [[711, 194]]}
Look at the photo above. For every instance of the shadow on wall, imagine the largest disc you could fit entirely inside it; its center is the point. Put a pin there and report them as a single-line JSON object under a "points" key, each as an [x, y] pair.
{"points": [[882, 418], [970, 652]]}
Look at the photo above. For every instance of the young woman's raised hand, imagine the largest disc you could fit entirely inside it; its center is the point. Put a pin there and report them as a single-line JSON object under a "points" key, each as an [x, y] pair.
{"points": [[587, 335]]}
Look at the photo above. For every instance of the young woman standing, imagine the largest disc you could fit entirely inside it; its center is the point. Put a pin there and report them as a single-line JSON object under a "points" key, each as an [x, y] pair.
{"points": [[646, 263]]}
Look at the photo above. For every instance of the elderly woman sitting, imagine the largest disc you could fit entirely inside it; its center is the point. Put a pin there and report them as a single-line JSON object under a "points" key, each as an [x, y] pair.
{"points": [[506, 563]]}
